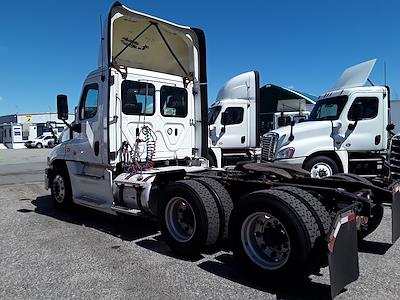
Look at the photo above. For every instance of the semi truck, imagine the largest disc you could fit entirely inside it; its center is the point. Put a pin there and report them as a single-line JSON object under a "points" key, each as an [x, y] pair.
{"points": [[138, 148], [349, 131], [243, 112]]}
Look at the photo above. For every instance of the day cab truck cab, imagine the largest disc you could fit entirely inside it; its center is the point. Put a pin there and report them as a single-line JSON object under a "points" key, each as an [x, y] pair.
{"points": [[139, 148], [243, 111], [348, 131]]}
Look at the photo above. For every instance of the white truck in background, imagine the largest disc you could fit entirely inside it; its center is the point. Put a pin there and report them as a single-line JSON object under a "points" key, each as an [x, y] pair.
{"points": [[243, 112], [349, 131]]}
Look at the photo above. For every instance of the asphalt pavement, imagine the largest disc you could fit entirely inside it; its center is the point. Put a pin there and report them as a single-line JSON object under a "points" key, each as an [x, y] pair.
{"points": [[48, 253], [22, 165]]}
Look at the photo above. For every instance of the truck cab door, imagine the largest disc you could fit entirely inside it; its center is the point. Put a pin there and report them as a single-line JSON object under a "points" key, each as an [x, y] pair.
{"points": [[86, 147], [237, 125], [368, 134], [233, 128]]}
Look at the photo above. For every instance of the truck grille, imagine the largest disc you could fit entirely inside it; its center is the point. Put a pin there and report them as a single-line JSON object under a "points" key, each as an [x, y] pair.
{"points": [[269, 142], [395, 158]]}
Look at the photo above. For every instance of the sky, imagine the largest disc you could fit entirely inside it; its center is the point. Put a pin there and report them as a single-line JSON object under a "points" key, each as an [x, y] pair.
{"points": [[48, 47]]}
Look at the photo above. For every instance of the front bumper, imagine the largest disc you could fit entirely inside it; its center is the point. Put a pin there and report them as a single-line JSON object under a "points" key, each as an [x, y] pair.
{"points": [[292, 161], [47, 174]]}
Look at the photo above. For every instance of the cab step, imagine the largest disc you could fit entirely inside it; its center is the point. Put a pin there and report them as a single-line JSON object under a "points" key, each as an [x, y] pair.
{"points": [[127, 210]]}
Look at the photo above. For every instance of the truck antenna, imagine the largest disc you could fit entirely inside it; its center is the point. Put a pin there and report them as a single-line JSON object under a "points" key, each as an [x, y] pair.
{"points": [[101, 49], [384, 72]]}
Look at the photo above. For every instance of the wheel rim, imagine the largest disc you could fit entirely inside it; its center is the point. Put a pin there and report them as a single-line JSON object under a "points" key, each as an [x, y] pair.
{"points": [[320, 170], [180, 219], [58, 188], [265, 240]]}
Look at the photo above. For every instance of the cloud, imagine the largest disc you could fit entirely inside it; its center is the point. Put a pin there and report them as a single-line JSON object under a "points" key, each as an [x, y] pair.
{"points": [[1, 98], [291, 87]]}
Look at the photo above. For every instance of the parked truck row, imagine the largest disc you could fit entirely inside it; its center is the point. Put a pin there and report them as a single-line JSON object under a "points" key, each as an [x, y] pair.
{"points": [[349, 130], [140, 144]]}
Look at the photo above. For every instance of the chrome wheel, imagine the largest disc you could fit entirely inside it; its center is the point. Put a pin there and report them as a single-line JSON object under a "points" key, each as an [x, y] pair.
{"points": [[180, 219], [320, 170], [58, 188], [265, 240]]}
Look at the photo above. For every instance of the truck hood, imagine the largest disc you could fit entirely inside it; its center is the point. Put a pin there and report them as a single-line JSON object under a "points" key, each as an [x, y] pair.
{"points": [[304, 134], [137, 40]]}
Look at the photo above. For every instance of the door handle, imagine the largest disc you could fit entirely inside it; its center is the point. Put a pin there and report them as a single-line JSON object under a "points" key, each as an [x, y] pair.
{"points": [[242, 139], [377, 139], [96, 148]]}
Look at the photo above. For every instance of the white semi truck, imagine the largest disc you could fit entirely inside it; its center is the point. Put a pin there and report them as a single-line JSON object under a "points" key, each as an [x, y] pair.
{"points": [[243, 112], [138, 147], [349, 130]]}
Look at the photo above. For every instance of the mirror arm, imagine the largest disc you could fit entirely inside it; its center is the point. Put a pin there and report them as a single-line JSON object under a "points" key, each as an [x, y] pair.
{"points": [[353, 126], [67, 124], [291, 136]]}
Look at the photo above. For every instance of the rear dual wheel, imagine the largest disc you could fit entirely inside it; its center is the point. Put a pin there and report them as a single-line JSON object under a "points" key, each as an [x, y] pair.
{"points": [[277, 236], [194, 214]]}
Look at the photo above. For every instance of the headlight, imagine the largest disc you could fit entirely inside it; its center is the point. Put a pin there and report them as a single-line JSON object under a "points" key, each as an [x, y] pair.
{"points": [[285, 153]]}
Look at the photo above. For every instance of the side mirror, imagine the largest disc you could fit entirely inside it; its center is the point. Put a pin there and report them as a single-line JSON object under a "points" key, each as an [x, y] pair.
{"points": [[77, 127], [390, 127], [62, 107], [357, 111], [281, 121], [284, 120]]}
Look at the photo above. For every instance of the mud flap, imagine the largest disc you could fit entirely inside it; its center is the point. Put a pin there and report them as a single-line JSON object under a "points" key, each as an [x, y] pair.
{"points": [[343, 251], [396, 213]]}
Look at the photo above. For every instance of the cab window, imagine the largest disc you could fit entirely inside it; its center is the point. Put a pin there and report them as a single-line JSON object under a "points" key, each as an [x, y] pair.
{"points": [[233, 115], [88, 106], [173, 101], [137, 98], [370, 105], [213, 113]]}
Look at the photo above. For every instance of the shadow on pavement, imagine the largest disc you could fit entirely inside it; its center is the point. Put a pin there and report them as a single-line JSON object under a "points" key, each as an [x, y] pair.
{"points": [[225, 266], [374, 247], [127, 228], [145, 233]]}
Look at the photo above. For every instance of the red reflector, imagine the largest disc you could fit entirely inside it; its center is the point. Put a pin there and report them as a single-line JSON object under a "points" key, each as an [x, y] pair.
{"points": [[351, 217]]}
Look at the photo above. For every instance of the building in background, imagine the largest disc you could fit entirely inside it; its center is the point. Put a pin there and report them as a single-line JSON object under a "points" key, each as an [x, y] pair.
{"points": [[17, 129]]}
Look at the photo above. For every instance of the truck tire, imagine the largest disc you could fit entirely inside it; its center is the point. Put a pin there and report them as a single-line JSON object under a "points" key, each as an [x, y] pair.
{"points": [[188, 217], [321, 166], [39, 145], [321, 215], [60, 187], [223, 201], [376, 211], [273, 234]]}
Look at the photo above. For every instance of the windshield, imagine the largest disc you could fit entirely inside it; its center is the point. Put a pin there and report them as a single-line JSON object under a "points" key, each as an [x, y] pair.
{"points": [[213, 114], [328, 109], [40, 137]]}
